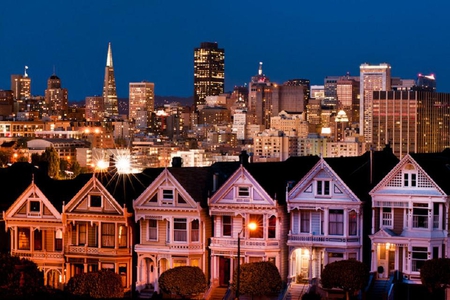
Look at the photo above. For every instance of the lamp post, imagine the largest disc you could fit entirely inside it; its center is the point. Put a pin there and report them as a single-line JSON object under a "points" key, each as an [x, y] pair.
{"points": [[252, 226]]}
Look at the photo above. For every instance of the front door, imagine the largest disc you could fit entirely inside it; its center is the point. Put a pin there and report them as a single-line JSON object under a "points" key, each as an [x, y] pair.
{"points": [[224, 271]]}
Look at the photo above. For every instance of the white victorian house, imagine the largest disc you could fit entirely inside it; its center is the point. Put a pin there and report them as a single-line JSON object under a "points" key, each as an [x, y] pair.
{"points": [[326, 220], [239, 201], [410, 215], [174, 225]]}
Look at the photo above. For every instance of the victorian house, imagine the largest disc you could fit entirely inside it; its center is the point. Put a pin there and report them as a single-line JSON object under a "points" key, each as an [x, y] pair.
{"points": [[327, 212], [173, 221], [410, 215], [98, 230]]}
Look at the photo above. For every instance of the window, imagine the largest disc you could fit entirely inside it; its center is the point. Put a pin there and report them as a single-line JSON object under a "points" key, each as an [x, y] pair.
{"points": [[37, 240], [243, 191], [108, 235], [122, 236], [179, 230], [352, 223], [272, 228], [420, 215], [409, 176], [226, 225], [179, 262], [35, 207], [95, 201], [24, 238], [152, 230], [82, 234], [436, 215], [305, 222], [195, 232], [386, 217], [419, 256], [323, 187], [93, 235], [167, 197], [58, 240], [336, 222], [258, 231]]}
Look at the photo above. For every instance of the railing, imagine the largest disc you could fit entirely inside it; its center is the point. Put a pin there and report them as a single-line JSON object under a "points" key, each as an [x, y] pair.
{"points": [[38, 255], [232, 242], [96, 251], [323, 239], [198, 246]]}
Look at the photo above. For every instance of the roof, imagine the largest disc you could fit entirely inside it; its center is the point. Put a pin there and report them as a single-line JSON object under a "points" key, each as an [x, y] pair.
{"points": [[437, 166]]}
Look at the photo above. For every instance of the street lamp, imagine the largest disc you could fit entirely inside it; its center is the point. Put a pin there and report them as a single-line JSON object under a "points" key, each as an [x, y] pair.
{"points": [[251, 226]]}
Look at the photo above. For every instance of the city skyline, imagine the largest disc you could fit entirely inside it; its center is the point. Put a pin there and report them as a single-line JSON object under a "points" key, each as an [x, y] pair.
{"points": [[155, 41]]}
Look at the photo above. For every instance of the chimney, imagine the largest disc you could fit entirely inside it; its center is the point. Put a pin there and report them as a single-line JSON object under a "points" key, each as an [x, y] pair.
{"points": [[243, 158], [177, 162]]}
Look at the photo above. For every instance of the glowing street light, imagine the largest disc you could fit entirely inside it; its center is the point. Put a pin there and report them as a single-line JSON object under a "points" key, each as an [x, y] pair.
{"points": [[251, 226]]}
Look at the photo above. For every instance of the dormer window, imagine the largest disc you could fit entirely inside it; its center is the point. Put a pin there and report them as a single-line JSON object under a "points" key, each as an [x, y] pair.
{"points": [[323, 187], [167, 196], [243, 191], [95, 201]]}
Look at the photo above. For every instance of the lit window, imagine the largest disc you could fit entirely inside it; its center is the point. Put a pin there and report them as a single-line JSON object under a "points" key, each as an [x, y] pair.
{"points": [[122, 236]]}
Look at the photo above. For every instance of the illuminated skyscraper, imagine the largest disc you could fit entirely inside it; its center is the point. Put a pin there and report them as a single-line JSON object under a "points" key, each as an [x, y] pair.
{"points": [[21, 86], [56, 98], [95, 109], [141, 103], [209, 72], [372, 78], [109, 87], [347, 92], [260, 99]]}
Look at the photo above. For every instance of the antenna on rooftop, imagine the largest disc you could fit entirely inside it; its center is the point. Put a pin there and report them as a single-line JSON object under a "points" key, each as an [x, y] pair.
{"points": [[25, 72]]}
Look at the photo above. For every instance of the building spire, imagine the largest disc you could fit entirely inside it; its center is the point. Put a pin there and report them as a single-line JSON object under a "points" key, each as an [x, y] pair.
{"points": [[260, 68], [109, 60]]}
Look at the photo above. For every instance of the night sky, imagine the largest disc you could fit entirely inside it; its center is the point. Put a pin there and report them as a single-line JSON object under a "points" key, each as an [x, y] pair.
{"points": [[153, 40]]}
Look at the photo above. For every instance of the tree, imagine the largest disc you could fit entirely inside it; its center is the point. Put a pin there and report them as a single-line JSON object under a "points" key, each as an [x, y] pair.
{"points": [[76, 169], [183, 281], [5, 156], [99, 284], [435, 274], [19, 278], [349, 275], [254, 279], [51, 156]]}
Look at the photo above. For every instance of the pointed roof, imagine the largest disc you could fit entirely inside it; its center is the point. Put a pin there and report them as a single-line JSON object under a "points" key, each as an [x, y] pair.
{"points": [[109, 59], [437, 166]]}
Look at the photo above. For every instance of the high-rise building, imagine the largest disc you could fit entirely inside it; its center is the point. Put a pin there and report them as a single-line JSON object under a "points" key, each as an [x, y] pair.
{"points": [[56, 98], [260, 99], [426, 83], [21, 86], [372, 78], [141, 104], [95, 109], [209, 72], [347, 93], [290, 96], [411, 121], [109, 87]]}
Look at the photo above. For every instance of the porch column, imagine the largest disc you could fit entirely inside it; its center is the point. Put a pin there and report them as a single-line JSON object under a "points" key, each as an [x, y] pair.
{"points": [[374, 257], [310, 265]]}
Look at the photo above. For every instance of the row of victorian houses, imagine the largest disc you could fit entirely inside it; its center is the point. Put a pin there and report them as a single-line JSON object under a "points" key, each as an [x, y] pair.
{"points": [[310, 211]]}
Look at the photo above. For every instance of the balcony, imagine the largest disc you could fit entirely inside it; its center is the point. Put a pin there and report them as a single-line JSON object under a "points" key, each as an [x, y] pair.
{"points": [[38, 255], [321, 240], [245, 243], [96, 251]]}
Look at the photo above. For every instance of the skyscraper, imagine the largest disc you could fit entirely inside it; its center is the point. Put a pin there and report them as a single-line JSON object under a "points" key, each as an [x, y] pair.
{"points": [[347, 92], [109, 87], [260, 99], [56, 98], [426, 83], [141, 103], [372, 78], [95, 109], [209, 72], [21, 86]]}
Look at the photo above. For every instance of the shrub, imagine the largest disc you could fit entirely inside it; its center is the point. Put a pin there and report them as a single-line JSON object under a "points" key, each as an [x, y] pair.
{"points": [[183, 281], [100, 284]]}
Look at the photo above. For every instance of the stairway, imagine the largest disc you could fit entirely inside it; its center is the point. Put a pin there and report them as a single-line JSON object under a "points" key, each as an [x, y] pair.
{"points": [[217, 293], [296, 291], [379, 290], [147, 292]]}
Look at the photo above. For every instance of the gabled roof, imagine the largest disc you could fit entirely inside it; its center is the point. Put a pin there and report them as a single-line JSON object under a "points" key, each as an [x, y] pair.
{"points": [[195, 180], [437, 166], [360, 174]]}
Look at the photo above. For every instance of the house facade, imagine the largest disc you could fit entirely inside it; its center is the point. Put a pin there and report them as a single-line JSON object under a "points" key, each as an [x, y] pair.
{"points": [[174, 224], [326, 219], [410, 215]]}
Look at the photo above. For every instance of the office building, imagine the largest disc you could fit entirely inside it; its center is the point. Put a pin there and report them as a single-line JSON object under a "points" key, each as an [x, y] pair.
{"points": [[56, 98], [347, 93], [141, 104], [290, 96], [21, 86], [209, 72], [372, 78], [95, 109], [260, 99], [411, 121], [109, 87], [425, 83]]}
